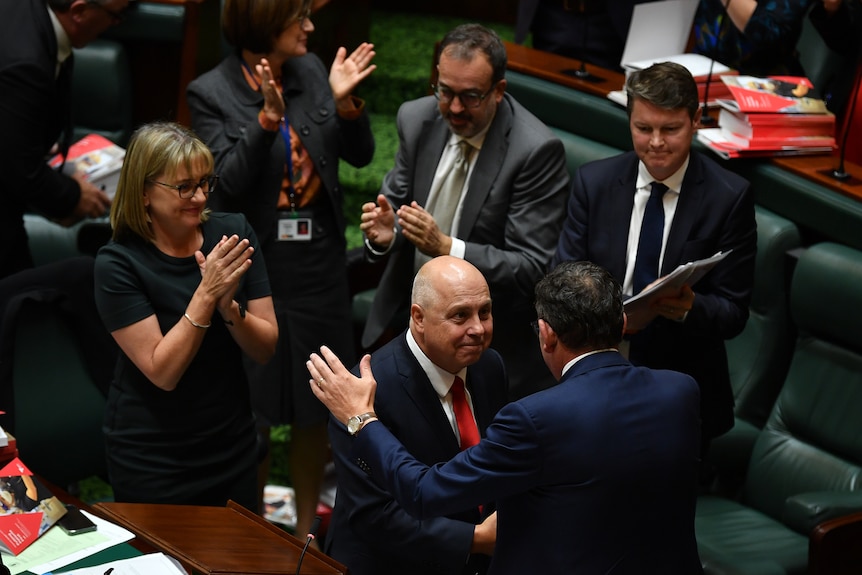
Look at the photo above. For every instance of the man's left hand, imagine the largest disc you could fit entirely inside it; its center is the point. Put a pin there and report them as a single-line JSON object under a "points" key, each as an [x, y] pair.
{"points": [[344, 394], [675, 308], [420, 229]]}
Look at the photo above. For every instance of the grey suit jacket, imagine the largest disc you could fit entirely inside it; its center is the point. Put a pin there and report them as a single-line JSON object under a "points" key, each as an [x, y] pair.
{"points": [[250, 160], [510, 221]]}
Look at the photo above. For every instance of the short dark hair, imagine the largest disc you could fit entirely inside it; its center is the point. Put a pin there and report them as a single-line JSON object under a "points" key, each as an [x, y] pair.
{"points": [[583, 303], [665, 84], [465, 40], [63, 5], [254, 25]]}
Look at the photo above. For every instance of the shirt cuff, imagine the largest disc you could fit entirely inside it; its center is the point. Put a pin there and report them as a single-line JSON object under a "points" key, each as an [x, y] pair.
{"points": [[266, 123], [386, 250], [458, 249], [359, 106]]}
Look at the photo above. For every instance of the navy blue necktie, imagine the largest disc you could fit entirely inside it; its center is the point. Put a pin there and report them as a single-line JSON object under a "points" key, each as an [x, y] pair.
{"points": [[649, 244]]}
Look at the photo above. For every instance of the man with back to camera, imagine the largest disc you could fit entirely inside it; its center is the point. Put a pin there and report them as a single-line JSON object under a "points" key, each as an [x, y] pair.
{"points": [[701, 210], [448, 337], [594, 475], [36, 41], [504, 217]]}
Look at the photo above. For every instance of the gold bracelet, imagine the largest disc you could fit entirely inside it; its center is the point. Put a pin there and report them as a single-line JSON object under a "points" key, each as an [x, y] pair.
{"points": [[194, 323]]}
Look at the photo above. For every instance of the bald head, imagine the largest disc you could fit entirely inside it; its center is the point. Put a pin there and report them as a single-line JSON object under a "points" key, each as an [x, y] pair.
{"points": [[450, 315]]}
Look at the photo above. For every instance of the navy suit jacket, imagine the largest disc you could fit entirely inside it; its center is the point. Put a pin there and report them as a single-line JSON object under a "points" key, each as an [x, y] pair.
{"points": [[715, 213], [511, 220], [34, 109], [594, 475], [370, 533]]}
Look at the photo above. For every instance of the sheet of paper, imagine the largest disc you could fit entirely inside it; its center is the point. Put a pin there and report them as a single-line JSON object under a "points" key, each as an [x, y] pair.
{"points": [[658, 29], [55, 549], [638, 307], [152, 564]]}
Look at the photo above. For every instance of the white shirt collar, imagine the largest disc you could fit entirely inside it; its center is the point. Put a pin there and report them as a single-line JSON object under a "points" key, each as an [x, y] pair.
{"points": [[64, 45], [441, 380], [582, 356], [674, 182]]}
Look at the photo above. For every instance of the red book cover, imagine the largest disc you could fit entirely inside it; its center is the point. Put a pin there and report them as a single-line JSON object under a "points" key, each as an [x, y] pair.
{"points": [[765, 143], [777, 94], [27, 508], [769, 125], [714, 139], [97, 158]]}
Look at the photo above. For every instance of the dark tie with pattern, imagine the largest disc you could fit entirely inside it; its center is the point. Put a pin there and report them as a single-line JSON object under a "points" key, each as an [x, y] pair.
{"points": [[463, 416], [649, 244]]}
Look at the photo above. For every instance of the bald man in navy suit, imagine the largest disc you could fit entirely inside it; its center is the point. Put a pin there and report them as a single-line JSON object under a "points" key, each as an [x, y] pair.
{"points": [[594, 475], [451, 326]]}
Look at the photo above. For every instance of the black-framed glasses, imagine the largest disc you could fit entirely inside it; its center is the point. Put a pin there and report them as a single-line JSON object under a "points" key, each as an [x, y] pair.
{"points": [[116, 15], [187, 190], [469, 98]]}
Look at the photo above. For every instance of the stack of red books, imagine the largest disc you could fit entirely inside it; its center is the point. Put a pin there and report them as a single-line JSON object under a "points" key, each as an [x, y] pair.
{"points": [[772, 116]]}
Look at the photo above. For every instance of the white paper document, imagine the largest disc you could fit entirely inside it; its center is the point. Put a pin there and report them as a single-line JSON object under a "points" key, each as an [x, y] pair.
{"points": [[152, 564], [56, 549], [638, 307], [658, 30]]}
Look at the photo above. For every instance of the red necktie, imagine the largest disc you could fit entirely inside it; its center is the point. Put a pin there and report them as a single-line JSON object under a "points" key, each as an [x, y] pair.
{"points": [[463, 416]]}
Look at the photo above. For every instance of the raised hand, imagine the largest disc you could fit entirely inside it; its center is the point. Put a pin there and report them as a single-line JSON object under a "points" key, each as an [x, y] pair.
{"points": [[348, 71], [377, 221], [273, 103], [420, 229]]}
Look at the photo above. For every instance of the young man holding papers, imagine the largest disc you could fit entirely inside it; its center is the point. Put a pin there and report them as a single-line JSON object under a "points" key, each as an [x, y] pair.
{"points": [[704, 210]]}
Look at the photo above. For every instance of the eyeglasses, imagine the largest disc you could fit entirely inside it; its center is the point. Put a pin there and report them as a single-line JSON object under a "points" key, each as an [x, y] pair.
{"points": [[116, 16], [303, 17], [187, 190], [535, 324], [469, 99]]}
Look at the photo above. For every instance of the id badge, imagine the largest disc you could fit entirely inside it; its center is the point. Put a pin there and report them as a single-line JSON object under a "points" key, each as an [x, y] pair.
{"points": [[294, 229]]}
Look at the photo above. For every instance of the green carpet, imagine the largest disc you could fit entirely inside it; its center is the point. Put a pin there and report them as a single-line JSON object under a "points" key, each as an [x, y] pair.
{"points": [[405, 50]]}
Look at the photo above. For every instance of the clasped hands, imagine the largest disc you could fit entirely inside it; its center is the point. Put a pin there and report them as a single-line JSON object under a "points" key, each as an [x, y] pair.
{"points": [[222, 269], [418, 227]]}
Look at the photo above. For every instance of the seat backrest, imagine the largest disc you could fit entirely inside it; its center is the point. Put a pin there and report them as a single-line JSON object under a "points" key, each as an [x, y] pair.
{"points": [[58, 407], [102, 92], [758, 358], [811, 441]]}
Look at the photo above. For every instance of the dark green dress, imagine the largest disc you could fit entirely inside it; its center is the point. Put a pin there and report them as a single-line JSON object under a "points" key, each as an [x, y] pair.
{"points": [[196, 444]]}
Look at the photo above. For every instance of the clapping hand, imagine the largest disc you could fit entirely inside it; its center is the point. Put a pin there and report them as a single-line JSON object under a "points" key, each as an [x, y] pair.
{"points": [[223, 267]]}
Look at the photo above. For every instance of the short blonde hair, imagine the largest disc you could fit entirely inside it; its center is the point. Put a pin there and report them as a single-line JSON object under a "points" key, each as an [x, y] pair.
{"points": [[155, 150]]}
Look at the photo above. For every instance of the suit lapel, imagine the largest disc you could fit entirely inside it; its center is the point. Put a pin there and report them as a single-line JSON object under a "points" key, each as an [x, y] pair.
{"points": [[622, 202], [435, 133], [686, 216], [487, 167], [418, 387]]}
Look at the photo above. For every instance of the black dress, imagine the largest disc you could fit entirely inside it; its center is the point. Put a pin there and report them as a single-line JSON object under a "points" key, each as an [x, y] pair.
{"points": [[196, 444]]}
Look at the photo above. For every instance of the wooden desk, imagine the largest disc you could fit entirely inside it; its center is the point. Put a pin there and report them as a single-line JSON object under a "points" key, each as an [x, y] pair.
{"points": [[818, 168], [218, 540], [560, 70]]}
